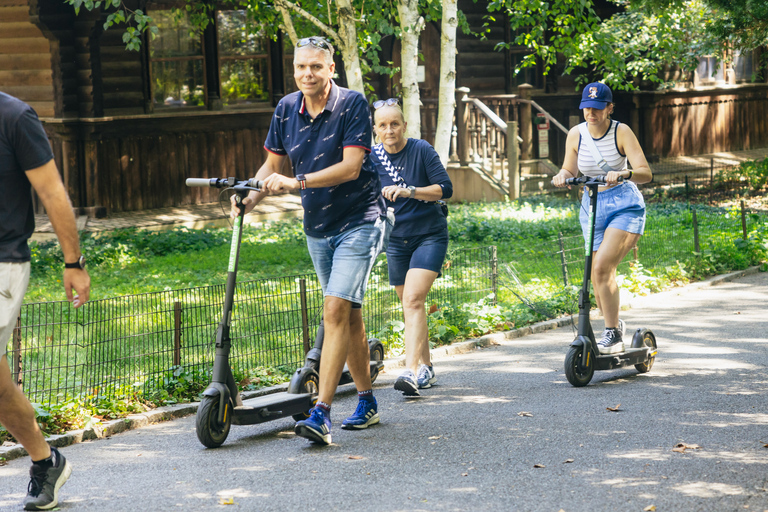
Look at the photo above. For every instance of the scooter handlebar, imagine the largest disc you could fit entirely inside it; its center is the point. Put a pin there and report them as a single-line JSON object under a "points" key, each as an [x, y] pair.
{"points": [[587, 180], [224, 183]]}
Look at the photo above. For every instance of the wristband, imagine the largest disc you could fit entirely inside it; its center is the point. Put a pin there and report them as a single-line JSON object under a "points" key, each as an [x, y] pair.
{"points": [[302, 181], [628, 177]]}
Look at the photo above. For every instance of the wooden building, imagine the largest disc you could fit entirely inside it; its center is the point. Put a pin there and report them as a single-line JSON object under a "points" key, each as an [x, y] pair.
{"points": [[128, 127]]}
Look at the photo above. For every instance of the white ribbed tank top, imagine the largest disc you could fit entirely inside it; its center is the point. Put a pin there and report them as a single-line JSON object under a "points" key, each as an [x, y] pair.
{"points": [[609, 149]]}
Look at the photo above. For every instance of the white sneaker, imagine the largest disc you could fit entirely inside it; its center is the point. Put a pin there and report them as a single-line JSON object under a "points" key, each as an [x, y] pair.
{"points": [[425, 377]]}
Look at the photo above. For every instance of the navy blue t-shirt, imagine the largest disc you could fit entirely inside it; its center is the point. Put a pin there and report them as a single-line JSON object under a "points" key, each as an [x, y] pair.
{"points": [[315, 144], [23, 146], [420, 166]]}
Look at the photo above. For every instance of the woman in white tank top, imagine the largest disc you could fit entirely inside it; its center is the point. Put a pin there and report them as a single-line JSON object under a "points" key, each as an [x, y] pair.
{"points": [[620, 210]]}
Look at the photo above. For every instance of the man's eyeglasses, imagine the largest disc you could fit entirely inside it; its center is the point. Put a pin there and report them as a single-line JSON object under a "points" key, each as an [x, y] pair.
{"points": [[315, 42], [391, 102]]}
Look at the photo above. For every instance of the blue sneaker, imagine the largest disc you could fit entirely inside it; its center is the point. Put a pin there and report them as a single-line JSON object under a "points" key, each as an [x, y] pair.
{"points": [[365, 415], [316, 428], [425, 377]]}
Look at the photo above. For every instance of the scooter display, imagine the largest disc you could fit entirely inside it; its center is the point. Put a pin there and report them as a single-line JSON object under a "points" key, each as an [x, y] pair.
{"points": [[583, 357], [222, 405]]}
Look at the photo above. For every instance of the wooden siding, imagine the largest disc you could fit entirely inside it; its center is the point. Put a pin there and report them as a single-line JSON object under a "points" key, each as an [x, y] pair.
{"points": [[137, 163], [25, 59]]}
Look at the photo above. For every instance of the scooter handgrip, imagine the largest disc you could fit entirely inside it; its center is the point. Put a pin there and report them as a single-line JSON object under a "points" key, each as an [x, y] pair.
{"points": [[259, 184], [200, 182]]}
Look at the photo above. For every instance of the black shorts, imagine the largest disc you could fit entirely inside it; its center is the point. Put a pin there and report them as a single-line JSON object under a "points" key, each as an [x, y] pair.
{"points": [[420, 251]]}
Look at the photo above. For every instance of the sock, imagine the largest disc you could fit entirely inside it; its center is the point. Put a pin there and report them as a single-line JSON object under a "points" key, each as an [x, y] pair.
{"points": [[324, 406], [365, 395], [45, 463]]}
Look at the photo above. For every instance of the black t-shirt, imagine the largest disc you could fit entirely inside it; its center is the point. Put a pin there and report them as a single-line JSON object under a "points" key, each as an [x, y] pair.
{"points": [[23, 146]]}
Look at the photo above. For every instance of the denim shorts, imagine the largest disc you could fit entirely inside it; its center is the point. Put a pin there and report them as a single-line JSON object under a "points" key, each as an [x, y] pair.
{"points": [[14, 278], [621, 207], [343, 262], [421, 251]]}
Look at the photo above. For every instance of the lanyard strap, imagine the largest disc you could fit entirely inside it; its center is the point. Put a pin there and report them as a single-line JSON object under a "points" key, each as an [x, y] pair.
{"points": [[387, 163]]}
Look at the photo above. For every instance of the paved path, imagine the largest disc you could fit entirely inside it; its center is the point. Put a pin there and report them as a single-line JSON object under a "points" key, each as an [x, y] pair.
{"points": [[465, 446]]}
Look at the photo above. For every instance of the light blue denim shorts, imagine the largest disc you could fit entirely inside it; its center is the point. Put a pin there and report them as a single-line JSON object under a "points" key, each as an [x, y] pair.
{"points": [[14, 278], [621, 207], [343, 262]]}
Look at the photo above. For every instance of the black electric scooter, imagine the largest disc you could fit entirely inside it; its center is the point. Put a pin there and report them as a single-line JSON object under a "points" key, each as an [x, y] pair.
{"points": [[583, 357], [221, 405]]}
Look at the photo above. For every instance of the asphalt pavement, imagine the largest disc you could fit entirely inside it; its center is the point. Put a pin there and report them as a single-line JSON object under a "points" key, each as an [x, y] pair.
{"points": [[503, 430]]}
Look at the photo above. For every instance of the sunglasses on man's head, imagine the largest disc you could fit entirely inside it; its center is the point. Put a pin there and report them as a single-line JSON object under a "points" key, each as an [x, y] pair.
{"points": [[385, 103], [315, 42]]}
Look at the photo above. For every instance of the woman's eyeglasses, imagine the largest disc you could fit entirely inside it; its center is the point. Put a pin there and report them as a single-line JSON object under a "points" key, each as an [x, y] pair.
{"points": [[315, 42], [391, 102]]}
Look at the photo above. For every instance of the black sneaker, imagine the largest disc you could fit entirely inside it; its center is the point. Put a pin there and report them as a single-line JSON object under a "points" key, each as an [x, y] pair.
{"points": [[44, 484], [611, 342]]}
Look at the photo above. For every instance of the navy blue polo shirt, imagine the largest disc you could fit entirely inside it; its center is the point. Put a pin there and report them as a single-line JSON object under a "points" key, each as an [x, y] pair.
{"points": [[315, 144], [23, 146], [419, 165]]}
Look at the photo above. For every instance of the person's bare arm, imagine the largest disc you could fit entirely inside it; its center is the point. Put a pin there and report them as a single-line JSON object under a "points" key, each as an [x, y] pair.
{"points": [[629, 145], [570, 167], [50, 189], [346, 170]]}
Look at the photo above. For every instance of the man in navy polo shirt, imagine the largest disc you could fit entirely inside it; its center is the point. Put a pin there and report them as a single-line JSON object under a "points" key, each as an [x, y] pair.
{"points": [[325, 131]]}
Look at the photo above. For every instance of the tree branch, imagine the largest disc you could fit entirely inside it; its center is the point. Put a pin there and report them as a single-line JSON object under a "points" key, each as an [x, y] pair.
{"points": [[319, 24], [287, 22]]}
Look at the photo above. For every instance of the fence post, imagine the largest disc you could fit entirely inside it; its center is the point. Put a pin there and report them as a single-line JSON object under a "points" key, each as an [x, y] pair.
{"points": [[495, 275], [177, 333], [711, 178], [562, 259], [462, 126], [512, 160], [526, 127], [696, 247], [304, 314], [743, 221], [16, 347], [686, 188], [634, 253]]}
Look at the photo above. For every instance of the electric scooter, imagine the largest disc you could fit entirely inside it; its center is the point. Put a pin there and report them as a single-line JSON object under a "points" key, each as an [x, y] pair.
{"points": [[221, 405], [584, 358]]}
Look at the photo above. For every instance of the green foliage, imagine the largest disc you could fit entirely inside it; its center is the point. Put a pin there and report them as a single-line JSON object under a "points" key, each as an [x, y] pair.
{"points": [[642, 281], [752, 173]]}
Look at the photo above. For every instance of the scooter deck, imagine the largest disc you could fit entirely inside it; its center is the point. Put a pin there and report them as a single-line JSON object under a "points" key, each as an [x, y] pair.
{"points": [[628, 357], [270, 407]]}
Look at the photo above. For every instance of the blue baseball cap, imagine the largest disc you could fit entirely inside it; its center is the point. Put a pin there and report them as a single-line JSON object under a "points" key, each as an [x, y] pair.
{"points": [[596, 95]]}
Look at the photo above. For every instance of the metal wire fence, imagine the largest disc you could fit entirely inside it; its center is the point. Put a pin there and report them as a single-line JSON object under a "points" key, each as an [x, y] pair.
{"points": [[107, 345]]}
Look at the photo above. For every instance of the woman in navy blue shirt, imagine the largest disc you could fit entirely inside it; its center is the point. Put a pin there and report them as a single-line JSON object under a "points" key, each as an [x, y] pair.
{"points": [[413, 179]]}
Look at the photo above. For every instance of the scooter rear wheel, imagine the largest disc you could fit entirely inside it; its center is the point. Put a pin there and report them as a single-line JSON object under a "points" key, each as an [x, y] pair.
{"points": [[309, 384], [575, 374], [647, 339], [377, 354], [209, 431]]}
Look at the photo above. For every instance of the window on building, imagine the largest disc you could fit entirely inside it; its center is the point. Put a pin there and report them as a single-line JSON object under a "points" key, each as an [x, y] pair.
{"points": [[743, 66], [710, 71], [289, 83], [243, 60], [176, 59]]}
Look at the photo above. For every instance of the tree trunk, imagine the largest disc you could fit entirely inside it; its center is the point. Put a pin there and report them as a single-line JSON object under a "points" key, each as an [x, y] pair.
{"points": [[447, 95], [411, 25], [350, 52]]}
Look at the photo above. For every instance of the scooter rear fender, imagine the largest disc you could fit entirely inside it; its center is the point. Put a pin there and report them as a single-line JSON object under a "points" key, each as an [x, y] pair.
{"points": [[298, 377]]}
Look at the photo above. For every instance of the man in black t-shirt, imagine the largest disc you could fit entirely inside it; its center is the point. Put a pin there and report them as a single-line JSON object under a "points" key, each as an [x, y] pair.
{"points": [[26, 162]]}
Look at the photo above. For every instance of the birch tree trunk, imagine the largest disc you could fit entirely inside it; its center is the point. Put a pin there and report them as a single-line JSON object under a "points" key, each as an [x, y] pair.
{"points": [[350, 53], [411, 25], [446, 97]]}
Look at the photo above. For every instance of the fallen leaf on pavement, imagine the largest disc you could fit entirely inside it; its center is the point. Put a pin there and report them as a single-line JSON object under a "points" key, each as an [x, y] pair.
{"points": [[434, 437], [681, 447], [649, 508], [355, 457], [465, 474], [614, 409], [765, 446], [567, 461], [539, 466], [523, 413], [227, 501]]}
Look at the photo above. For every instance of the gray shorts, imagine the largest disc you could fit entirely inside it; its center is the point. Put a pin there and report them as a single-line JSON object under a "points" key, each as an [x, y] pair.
{"points": [[14, 278]]}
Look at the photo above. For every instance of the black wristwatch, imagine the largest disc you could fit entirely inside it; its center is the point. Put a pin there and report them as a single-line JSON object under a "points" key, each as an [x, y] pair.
{"points": [[78, 264]]}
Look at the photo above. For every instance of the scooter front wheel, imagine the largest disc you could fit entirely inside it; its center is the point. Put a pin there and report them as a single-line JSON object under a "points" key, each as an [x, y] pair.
{"points": [[577, 374], [310, 382], [377, 354], [209, 431]]}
